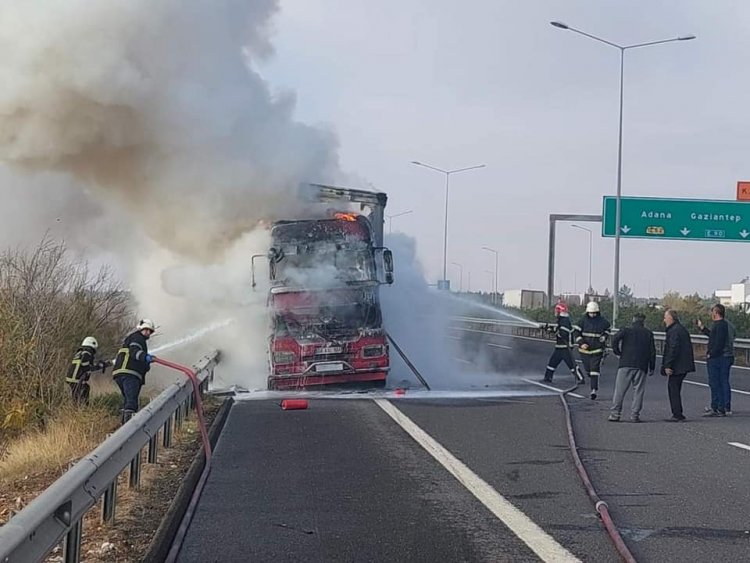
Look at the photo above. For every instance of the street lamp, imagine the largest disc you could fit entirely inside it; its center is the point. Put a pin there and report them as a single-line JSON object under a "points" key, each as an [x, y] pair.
{"points": [[591, 246], [492, 283], [460, 275], [622, 49], [447, 185], [392, 217], [497, 254]]}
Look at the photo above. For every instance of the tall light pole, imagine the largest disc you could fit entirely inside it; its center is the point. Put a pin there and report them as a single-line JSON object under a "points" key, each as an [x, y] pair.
{"points": [[392, 217], [447, 186], [492, 283], [591, 247], [497, 254], [622, 49], [460, 275]]}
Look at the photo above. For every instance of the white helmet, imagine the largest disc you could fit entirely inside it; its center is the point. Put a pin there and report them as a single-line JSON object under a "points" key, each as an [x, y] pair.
{"points": [[592, 307], [91, 342], [146, 323]]}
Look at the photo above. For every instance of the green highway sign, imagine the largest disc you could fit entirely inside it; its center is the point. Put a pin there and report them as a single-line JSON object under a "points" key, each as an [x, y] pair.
{"points": [[678, 219]]}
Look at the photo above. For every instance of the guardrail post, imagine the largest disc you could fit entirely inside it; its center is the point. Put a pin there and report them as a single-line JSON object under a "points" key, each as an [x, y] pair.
{"points": [[135, 471], [109, 502], [72, 543], [188, 404], [167, 433], [178, 418], [153, 445]]}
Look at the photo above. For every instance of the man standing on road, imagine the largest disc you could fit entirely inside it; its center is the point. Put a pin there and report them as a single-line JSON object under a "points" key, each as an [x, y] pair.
{"points": [[677, 361], [720, 360], [131, 365], [637, 352], [592, 332], [563, 345]]}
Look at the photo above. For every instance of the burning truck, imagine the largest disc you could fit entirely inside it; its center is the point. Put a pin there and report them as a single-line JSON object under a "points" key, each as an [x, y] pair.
{"points": [[326, 324]]}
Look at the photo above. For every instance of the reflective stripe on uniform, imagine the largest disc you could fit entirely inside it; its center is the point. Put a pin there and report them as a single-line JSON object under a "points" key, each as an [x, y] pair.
{"points": [[593, 334], [124, 369], [78, 363], [593, 373], [561, 346], [591, 352]]}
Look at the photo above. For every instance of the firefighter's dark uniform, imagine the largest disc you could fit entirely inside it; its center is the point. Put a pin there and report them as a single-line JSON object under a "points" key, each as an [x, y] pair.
{"points": [[564, 342], [79, 373], [130, 371], [593, 331]]}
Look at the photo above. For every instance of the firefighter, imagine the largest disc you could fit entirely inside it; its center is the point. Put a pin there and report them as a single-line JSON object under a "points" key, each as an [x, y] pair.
{"points": [[80, 370], [131, 365], [563, 345], [591, 337]]}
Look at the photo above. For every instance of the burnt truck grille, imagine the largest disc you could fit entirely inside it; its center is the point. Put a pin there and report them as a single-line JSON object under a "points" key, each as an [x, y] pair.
{"points": [[342, 357]]}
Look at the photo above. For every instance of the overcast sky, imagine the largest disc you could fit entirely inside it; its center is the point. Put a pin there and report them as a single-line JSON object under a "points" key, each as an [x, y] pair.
{"points": [[455, 84]]}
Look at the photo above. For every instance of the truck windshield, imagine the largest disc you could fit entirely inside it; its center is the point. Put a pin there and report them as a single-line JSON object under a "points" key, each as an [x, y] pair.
{"points": [[328, 322], [322, 267]]}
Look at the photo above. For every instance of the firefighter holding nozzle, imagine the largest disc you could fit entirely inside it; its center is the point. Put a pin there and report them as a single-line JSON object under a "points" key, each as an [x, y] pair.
{"points": [[564, 344]]}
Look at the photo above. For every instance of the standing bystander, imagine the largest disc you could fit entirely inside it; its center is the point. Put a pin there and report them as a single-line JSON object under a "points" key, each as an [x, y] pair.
{"points": [[637, 352], [719, 361], [677, 361]]}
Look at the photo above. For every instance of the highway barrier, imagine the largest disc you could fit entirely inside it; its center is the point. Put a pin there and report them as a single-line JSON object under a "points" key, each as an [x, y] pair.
{"points": [[57, 514], [518, 328]]}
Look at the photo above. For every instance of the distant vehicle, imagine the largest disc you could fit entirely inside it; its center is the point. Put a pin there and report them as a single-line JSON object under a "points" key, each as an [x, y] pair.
{"points": [[326, 325], [524, 298]]}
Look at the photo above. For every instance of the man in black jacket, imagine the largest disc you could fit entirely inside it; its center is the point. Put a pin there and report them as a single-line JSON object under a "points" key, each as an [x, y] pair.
{"points": [[720, 360], [131, 365], [677, 361], [635, 347]]}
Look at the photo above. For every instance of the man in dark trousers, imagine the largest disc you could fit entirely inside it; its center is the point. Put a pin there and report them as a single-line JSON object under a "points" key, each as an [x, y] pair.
{"points": [[80, 370], [563, 345], [591, 336], [637, 352], [720, 360], [677, 361], [131, 365]]}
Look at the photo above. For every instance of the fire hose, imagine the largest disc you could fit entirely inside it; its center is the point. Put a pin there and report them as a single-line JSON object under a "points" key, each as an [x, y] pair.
{"points": [[599, 505], [182, 530]]}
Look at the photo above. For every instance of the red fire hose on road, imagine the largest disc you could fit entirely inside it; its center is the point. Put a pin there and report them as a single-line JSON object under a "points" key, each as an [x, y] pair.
{"points": [[190, 510], [198, 402], [600, 506]]}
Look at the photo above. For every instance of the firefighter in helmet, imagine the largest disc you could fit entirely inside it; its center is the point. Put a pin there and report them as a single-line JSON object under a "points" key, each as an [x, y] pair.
{"points": [[563, 331], [131, 365], [80, 370], [592, 332]]}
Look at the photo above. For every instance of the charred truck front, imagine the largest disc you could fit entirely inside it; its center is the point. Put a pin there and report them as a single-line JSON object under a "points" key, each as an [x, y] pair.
{"points": [[326, 324]]}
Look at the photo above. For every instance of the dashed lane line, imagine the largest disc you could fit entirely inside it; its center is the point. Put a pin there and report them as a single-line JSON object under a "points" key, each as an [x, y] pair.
{"points": [[541, 543], [739, 445]]}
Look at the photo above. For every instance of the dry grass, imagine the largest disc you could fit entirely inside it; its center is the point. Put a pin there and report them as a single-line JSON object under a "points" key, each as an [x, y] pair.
{"points": [[68, 436]]}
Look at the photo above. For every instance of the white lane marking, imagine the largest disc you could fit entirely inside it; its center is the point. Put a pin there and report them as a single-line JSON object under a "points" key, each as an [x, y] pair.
{"points": [[499, 346], [540, 384], [463, 361], [526, 529], [704, 385], [739, 445]]}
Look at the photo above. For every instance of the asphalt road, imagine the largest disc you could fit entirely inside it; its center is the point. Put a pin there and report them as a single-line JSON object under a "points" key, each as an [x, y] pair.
{"points": [[343, 481]]}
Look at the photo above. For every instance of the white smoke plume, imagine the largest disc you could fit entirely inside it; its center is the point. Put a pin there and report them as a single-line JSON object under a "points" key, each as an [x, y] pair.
{"points": [[157, 109]]}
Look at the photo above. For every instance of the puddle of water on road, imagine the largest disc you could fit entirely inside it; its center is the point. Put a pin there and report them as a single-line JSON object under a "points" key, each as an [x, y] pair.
{"points": [[420, 394]]}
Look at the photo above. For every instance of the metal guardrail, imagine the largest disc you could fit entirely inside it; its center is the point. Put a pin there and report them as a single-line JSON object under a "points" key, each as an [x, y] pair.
{"points": [[57, 514], [521, 328]]}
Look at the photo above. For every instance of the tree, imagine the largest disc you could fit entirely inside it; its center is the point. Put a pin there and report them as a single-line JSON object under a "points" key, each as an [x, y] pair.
{"points": [[626, 295]]}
